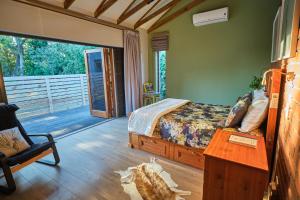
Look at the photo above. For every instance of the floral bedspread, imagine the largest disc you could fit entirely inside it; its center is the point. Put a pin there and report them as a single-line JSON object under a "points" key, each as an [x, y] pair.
{"points": [[193, 124]]}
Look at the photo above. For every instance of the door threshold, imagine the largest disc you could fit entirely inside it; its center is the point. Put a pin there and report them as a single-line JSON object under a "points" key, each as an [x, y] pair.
{"points": [[83, 129]]}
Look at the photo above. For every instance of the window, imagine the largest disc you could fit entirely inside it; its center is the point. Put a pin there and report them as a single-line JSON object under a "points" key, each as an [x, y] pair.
{"points": [[160, 75], [160, 44]]}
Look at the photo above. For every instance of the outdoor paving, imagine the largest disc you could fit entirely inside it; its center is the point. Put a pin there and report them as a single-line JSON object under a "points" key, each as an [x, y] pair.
{"points": [[61, 123]]}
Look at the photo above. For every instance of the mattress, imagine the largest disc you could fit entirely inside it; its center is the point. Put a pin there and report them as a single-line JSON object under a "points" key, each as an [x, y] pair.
{"points": [[192, 125]]}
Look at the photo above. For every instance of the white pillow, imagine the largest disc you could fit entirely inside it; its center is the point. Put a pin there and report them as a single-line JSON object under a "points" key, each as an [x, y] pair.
{"points": [[256, 114], [12, 142], [258, 95]]}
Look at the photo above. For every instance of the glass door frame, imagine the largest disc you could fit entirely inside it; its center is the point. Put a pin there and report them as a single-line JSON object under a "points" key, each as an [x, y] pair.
{"points": [[97, 113], [3, 97]]}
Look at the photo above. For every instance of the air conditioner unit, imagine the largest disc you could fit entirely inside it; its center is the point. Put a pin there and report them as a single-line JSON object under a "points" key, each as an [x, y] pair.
{"points": [[211, 17]]}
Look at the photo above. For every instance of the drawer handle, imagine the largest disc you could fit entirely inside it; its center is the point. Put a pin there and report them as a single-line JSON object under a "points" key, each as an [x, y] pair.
{"points": [[179, 154], [194, 153], [149, 141]]}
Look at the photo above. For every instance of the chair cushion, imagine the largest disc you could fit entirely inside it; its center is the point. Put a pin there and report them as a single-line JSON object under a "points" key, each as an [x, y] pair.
{"points": [[9, 120], [12, 142], [33, 151]]}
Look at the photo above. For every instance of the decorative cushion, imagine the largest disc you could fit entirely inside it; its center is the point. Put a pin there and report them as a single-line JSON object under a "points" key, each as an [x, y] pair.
{"points": [[12, 142], [248, 96], [237, 112], [256, 114]]}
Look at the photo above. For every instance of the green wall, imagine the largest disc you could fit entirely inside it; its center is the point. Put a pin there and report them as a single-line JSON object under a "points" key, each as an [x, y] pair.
{"points": [[215, 63]]}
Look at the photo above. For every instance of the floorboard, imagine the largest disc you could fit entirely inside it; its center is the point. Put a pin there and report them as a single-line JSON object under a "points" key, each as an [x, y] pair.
{"points": [[88, 161]]}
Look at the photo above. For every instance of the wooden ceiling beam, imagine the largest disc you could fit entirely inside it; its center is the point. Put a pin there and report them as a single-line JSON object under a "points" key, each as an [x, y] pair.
{"points": [[105, 4], [127, 8], [100, 7], [165, 14], [130, 11], [58, 9], [163, 20], [68, 3], [148, 11], [146, 18]]}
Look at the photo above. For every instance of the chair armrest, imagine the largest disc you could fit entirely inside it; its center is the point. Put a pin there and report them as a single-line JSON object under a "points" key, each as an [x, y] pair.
{"points": [[48, 136]]}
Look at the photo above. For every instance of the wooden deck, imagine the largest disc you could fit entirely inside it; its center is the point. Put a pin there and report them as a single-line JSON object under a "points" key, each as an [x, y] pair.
{"points": [[61, 123], [88, 161]]}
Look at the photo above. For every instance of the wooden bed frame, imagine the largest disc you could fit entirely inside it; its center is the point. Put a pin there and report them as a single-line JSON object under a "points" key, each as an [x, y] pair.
{"points": [[194, 156]]}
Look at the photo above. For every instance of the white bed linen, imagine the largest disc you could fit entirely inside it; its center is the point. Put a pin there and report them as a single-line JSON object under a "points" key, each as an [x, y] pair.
{"points": [[143, 120]]}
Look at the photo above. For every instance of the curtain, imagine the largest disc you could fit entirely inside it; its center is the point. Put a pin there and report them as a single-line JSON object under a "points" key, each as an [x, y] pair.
{"points": [[110, 88], [132, 71]]}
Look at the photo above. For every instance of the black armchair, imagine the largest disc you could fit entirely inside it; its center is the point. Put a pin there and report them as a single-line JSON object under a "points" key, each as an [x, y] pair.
{"points": [[36, 151]]}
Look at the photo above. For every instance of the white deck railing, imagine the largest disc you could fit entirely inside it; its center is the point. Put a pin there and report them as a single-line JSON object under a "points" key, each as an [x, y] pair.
{"points": [[36, 95]]}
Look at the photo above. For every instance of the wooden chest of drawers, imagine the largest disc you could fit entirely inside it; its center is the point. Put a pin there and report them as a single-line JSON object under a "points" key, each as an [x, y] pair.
{"points": [[234, 171]]}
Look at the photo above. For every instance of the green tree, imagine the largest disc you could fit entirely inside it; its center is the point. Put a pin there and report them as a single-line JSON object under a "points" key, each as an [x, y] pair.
{"points": [[30, 47], [32, 57], [19, 52], [162, 75], [57, 58], [7, 55]]}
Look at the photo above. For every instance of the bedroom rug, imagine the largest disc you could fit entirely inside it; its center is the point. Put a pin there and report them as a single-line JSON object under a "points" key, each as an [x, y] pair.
{"points": [[148, 181]]}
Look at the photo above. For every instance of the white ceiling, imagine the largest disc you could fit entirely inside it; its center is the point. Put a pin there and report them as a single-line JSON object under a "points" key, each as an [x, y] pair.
{"points": [[88, 7]]}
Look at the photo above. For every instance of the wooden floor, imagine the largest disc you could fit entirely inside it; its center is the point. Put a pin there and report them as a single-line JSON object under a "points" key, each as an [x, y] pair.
{"points": [[86, 172]]}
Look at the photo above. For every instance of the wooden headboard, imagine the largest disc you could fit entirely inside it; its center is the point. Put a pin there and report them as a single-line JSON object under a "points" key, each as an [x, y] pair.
{"points": [[273, 91]]}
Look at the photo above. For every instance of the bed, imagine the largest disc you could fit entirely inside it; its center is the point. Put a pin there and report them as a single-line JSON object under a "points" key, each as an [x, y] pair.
{"points": [[192, 124], [182, 132]]}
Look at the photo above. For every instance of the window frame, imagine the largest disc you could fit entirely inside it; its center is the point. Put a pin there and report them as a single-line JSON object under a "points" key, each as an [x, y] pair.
{"points": [[157, 72], [3, 96]]}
